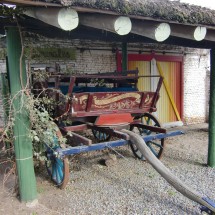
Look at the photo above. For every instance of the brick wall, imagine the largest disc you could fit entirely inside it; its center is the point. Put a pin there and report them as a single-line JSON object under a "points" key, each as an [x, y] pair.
{"points": [[89, 61], [196, 86], [98, 56], [90, 56]]}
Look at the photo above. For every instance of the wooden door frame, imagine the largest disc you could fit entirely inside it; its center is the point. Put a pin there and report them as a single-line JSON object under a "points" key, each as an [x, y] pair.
{"points": [[161, 58]]}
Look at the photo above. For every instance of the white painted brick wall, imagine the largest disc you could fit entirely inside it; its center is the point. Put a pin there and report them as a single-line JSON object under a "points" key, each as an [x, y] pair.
{"points": [[96, 61], [196, 80], [195, 88], [91, 57], [92, 61]]}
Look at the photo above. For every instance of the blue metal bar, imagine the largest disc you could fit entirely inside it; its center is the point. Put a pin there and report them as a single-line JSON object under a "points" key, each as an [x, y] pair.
{"points": [[93, 147], [161, 136], [100, 146]]}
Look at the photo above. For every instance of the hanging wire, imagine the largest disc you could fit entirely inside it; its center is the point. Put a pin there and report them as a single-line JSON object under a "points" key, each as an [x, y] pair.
{"points": [[117, 152]]}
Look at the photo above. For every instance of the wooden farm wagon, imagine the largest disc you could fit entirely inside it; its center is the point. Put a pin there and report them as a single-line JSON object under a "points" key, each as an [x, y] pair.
{"points": [[106, 103]]}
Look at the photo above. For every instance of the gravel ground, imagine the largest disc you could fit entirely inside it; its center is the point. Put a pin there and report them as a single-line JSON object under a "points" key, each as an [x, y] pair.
{"points": [[130, 186]]}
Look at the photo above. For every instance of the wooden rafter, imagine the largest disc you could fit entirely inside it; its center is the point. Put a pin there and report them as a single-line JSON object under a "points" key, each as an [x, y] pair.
{"points": [[63, 18], [116, 24], [188, 32], [153, 30]]}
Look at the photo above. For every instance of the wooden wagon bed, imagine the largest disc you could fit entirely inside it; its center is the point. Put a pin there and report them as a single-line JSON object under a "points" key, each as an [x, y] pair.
{"points": [[105, 103], [119, 101]]}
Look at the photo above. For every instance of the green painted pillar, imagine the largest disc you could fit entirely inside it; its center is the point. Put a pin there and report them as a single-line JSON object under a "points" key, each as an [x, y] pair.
{"points": [[22, 142], [211, 147], [124, 57]]}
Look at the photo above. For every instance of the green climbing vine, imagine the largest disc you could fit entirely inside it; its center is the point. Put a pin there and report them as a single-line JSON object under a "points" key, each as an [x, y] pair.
{"points": [[37, 105]]}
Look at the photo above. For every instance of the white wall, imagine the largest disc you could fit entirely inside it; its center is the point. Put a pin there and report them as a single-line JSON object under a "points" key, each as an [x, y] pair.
{"points": [[89, 59], [196, 87]]}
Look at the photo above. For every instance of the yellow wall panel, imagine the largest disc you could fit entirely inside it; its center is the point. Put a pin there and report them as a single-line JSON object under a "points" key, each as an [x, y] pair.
{"points": [[172, 71], [165, 111], [144, 69]]}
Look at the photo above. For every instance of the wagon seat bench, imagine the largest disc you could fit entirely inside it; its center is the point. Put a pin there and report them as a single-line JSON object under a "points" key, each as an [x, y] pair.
{"points": [[103, 109]]}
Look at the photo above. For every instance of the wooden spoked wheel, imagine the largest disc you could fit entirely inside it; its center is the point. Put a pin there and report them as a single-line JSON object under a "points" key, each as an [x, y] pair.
{"points": [[57, 168], [156, 146], [101, 136]]}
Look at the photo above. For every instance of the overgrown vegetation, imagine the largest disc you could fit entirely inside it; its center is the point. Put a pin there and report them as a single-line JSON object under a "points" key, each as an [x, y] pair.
{"points": [[39, 106], [162, 10], [43, 130]]}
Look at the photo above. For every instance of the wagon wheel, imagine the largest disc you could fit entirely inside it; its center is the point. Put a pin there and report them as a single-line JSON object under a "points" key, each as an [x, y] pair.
{"points": [[57, 168], [101, 136], [156, 146]]}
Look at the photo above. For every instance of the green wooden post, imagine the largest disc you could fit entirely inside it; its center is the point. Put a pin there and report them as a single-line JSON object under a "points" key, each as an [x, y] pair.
{"points": [[124, 57], [22, 142], [211, 147]]}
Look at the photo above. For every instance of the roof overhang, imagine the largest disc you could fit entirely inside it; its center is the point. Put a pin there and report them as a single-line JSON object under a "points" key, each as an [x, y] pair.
{"points": [[85, 32]]}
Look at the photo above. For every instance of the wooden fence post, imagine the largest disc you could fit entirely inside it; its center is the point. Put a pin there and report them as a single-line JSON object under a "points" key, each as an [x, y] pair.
{"points": [[211, 147], [22, 142]]}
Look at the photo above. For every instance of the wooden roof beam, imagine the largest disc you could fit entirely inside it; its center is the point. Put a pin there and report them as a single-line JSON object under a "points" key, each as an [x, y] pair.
{"points": [[153, 30], [210, 36], [189, 32], [68, 19], [63, 18], [122, 25], [116, 24]]}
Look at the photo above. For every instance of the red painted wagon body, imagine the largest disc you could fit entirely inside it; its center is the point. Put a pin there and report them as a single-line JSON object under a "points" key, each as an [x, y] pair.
{"points": [[119, 102]]}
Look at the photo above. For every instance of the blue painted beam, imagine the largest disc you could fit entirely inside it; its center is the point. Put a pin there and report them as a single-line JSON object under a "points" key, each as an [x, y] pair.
{"points": [[111, 144], [162, 135], [93, 147]]}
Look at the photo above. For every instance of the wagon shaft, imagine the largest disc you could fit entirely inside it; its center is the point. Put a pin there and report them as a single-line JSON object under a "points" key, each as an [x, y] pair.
{"points": [[111, 144]]}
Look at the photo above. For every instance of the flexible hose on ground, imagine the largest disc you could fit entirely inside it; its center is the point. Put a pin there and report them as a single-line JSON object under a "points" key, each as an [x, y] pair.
{"points": [[165, 172]]}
